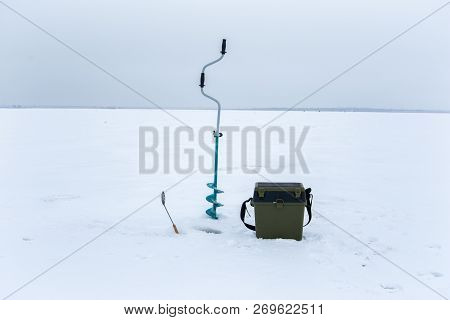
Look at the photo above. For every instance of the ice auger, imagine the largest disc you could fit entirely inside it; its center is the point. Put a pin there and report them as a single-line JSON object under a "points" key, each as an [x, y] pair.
{"points": [[212, 198]]}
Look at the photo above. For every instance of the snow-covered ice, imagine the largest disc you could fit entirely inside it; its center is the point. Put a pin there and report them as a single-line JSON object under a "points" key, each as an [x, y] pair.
{"points": [[66, 176]]}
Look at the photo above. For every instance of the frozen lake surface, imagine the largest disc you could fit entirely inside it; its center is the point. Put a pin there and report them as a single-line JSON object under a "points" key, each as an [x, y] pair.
{"points": [[381, 183]]}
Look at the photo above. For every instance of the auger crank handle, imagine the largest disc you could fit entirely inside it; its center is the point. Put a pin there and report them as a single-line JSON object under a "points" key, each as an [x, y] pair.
{"points": [[224, 46], [202, 80]]}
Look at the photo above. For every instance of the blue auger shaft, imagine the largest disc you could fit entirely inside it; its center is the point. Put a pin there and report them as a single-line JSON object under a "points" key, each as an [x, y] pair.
{"points": [[212, 198]]}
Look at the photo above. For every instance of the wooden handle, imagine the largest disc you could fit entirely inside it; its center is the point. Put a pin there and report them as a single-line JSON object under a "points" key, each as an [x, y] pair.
{"points": [[175, 229]]}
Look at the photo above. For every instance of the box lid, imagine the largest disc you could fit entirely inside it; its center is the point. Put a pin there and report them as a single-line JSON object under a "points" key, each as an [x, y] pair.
{"points": [[273, 191]]}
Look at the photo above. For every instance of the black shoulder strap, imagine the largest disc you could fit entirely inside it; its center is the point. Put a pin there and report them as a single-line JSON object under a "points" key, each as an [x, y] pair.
{"points": [[309, 198], [243, 207]]}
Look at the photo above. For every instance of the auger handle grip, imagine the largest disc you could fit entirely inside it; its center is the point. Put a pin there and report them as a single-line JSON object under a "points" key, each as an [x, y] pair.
{"points": [[202, 80], [224, 46]]}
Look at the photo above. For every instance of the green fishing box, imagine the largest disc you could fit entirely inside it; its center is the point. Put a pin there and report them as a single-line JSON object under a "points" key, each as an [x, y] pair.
{"points": [[280, 209]]}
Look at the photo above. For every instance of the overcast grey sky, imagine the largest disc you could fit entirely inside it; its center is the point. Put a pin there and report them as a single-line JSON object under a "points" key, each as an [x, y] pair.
{"points": [[278, 52]]}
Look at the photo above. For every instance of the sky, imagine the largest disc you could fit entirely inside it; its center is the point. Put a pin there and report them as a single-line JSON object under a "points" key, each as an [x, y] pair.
{"points": [[278, 53]]}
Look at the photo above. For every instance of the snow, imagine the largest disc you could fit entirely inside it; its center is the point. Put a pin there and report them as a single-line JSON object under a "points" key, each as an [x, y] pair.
{"points": [[66, 176]]}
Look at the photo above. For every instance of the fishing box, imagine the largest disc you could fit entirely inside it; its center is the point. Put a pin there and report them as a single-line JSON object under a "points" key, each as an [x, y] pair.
{"points": [[279, 210]]}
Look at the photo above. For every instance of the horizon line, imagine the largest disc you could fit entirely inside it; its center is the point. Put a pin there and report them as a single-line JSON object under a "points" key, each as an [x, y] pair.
{"points": [[309, 109]]}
